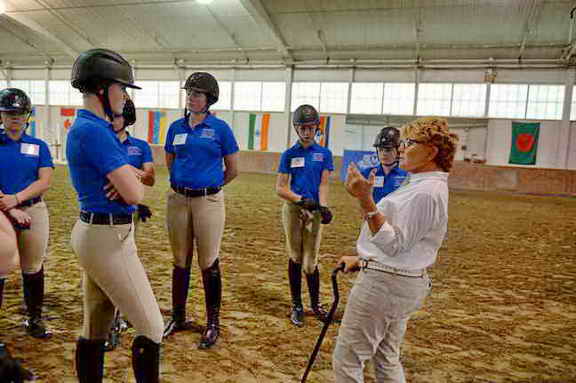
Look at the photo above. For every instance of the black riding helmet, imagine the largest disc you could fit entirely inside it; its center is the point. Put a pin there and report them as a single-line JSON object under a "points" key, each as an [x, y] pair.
{"points": [[389, 137], [15, 100], [205, 83], [129, 113], [305, 115], [97, 69]]}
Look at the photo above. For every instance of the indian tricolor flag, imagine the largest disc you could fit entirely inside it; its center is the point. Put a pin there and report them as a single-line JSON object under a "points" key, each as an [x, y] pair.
{"points": [[323, 134], [258, 131], [157, 126]]}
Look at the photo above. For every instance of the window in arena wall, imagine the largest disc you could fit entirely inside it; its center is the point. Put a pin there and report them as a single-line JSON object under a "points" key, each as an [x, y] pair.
{"points": [[398, 98], [247, 95], [573, 110], [147, 97], [168, 93], [434, 99], [333, 97], [273, 96], [36, 90], [469, 100], [366, 98], [59, 92], [508, 100], [224, 97], [305, 93], [545, 102]]}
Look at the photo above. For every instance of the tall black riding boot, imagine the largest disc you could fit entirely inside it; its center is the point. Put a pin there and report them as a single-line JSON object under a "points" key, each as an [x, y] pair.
{"points": [[180, 286], [90, 360], [213, 291], [146, 360], [295, 278], [34, 299], [314, 290]]}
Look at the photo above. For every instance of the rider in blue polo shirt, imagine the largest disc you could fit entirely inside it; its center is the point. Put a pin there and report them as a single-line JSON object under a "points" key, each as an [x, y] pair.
{"points": [[389, 176], [140, 157], [108, 189], [302, 182], [25, 175], [202, 155]]}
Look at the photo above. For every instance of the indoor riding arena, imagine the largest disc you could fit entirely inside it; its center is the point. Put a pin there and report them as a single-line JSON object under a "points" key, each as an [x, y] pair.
{"points": [[500, 74]]}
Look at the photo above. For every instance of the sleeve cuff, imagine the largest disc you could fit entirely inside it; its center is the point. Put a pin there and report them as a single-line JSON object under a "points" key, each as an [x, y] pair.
{"points": [[384, 237]]}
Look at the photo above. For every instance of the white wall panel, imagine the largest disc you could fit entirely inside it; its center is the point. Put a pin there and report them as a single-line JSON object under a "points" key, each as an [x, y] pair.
{"points": [[380, 75]]}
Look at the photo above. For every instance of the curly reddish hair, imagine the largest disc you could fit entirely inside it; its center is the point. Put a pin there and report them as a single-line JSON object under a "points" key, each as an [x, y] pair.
{"points": [[434, 131]]}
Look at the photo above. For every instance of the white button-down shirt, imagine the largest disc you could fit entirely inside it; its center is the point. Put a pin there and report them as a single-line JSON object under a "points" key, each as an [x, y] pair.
{"points": [[416, 223]]}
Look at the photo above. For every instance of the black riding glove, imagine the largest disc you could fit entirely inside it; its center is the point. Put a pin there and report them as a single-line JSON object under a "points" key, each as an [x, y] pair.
{"points": [[308, 204], [144, 212], [326, 215]]}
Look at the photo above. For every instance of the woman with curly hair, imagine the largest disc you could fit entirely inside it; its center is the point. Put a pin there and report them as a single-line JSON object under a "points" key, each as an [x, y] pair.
{"points": [[398, 242]]}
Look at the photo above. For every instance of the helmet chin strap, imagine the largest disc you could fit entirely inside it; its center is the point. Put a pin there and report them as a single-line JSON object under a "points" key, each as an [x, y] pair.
{"points": [[105, 101]]}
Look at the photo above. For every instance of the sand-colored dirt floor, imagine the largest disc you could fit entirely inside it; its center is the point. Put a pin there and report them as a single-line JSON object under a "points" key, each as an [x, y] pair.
{"points": [[502, 308]]}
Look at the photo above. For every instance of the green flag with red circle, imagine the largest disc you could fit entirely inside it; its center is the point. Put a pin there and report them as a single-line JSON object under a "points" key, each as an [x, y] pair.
{"points": [[524, 143]]}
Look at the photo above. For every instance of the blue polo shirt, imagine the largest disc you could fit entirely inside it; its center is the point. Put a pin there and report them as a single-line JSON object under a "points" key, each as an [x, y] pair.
{"points": [[199, 152], [138, 151], [305, 167], [20, 161], [93, 151], [385, 184]]}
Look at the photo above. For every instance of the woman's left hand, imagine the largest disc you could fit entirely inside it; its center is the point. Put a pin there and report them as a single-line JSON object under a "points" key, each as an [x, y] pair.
{"points": [[358, 186], [8, 201]]}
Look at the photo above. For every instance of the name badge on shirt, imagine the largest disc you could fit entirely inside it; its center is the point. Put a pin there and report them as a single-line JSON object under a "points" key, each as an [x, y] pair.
{"points": [[30, 149], [319, 157], [207, 133], [134, 151], [180, 139], [378, 181], [297, 162]]}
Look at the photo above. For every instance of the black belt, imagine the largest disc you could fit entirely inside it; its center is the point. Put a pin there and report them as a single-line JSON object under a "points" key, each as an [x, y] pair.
{"points": [[195, 192], [30, 202], [105, 219]]}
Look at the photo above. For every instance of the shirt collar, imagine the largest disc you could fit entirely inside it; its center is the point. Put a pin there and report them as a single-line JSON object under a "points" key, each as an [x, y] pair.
{"points": [[84, 113], [441, 176], [301, 147], [209, 121], [128, 140]]}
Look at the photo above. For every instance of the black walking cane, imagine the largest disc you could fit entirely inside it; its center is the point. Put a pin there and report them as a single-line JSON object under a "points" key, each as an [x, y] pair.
{"points": [[327, 322]]}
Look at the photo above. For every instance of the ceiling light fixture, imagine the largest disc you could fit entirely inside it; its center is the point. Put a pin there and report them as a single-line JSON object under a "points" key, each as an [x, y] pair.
{"points": [[205, 2]]}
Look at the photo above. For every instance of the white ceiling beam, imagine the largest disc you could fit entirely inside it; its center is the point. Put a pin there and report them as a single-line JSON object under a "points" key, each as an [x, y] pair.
{"points": [[530, 25], [261, 17], [27, 22], [91, 43], [418, 32], [229, 33], [10, 25], [314, 23], [154, 37]]}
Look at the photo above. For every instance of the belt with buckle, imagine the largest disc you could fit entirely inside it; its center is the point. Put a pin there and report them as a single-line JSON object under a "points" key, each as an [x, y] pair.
{"points": [[105, 219], [30, 202], [376, 266], [188, 192]]}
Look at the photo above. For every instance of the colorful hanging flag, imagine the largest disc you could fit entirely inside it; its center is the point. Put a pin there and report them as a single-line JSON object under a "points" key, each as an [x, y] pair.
{"points": [[258, 131], [524, 143], [323, 133], [157, 126], [32, 123], [67, 115]]}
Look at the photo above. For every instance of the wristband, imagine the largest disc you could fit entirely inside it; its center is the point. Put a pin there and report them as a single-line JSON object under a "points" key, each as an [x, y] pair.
{"points": [[371, 214]]}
